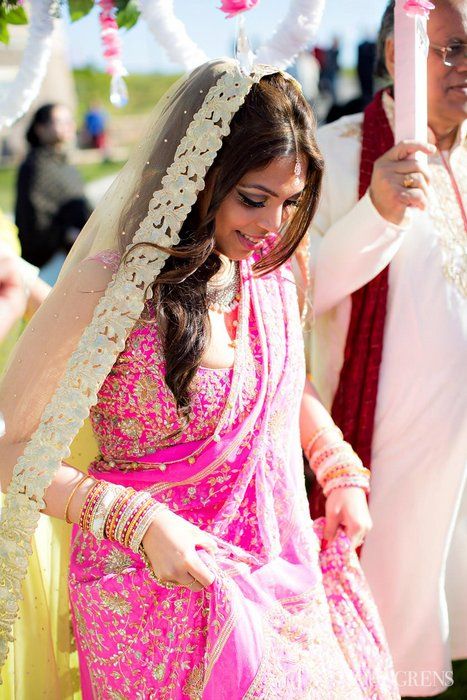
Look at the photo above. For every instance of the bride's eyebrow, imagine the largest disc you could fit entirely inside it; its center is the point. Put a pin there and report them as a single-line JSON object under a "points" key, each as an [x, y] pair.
{"points": [[268, 191], [259, 187]]}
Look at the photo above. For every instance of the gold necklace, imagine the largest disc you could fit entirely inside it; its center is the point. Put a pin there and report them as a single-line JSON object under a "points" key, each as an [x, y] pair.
{"points": [[223, 293]]}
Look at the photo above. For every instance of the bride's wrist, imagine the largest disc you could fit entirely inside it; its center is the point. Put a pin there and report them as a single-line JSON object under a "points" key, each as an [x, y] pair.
{"points": [[118, 513], [345, 488], [322, 437], [76, 498], [334, 462], [154, 526]]}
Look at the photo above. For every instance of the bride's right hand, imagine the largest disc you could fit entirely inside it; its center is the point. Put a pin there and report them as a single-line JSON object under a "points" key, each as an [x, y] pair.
{"points": [[170, 544]]}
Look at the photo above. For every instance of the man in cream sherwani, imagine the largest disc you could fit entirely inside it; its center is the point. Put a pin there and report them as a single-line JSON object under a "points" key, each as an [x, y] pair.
{"points": [[413, 219]]}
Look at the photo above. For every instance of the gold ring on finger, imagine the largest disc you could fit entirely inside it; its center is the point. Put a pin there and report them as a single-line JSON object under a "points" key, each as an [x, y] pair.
{"points": [[189, 585], [152, 574], [165, 583], [409, 181]]}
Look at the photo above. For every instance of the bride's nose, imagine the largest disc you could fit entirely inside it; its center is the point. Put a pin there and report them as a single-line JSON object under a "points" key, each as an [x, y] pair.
{"points": [[271, 218]]}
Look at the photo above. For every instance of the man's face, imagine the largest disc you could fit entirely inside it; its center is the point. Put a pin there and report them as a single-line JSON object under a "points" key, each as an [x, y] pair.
{"points": [[447, 85]]}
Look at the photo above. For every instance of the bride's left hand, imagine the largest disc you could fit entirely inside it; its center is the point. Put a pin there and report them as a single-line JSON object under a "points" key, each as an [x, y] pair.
{"points": [[348, 508]]}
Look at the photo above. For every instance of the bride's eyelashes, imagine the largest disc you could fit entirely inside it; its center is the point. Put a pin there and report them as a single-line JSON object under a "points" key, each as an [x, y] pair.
{"points": [[249, 202], [259, 205]]}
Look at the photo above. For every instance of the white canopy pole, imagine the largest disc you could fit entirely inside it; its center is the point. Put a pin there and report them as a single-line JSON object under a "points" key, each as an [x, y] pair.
{"points": [[410, 83]]}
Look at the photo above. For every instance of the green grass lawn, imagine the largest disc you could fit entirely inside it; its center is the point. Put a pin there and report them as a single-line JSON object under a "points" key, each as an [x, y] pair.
{"points": [[144, 91], [89, 172], [7, 186]]}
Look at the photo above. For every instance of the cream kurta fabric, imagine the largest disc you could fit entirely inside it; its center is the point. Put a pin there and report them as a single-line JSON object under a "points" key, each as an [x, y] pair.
{"points": [[415, 556]]}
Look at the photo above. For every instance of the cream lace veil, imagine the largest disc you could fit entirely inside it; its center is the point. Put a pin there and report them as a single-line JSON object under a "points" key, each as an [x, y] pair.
{"points": [[73, 341]]}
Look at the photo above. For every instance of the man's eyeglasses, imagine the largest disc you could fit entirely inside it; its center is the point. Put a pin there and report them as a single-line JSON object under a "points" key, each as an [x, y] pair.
{"points": [[452, 55]]}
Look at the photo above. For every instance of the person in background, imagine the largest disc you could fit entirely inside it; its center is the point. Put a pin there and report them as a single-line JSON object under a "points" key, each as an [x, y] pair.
{"points": [[95, 125], [389, 269], [330, 70], [365, 69], [21, 291], [12, 296], [366, 58], [51, 207]]}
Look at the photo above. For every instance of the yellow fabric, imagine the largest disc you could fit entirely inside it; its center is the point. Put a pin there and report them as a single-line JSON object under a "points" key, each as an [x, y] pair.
{"points": [[9, 234], [42, 661]]}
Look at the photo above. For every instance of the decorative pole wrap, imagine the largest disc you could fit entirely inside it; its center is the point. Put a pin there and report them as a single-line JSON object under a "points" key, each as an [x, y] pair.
{"points": [[411, 51]]}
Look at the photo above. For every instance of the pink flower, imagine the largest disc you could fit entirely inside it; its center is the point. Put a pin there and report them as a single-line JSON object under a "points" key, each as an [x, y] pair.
{"points": [[234, 7], [418, 7]]}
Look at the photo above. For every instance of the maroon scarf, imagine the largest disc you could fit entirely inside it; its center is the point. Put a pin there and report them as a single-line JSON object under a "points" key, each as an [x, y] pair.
{"points": [[354, 404]]}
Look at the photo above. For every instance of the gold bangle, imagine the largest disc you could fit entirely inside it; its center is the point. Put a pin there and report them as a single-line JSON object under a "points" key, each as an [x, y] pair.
{"points": [[317, 435], [75, 488]]}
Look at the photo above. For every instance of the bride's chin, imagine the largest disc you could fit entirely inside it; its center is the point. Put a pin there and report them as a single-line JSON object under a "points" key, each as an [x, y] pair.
{"points": [[234, 256]]}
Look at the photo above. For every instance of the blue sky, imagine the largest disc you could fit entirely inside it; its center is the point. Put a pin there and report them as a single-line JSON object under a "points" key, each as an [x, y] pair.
{"points": [[348, 19]]}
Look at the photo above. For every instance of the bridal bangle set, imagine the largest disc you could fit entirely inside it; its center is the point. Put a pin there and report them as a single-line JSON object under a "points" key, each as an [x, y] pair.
{"points": [[336, 465], [118, 514]]}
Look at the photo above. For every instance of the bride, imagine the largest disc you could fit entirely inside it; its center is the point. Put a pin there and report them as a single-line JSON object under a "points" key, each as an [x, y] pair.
{"points": [[195, 570]]}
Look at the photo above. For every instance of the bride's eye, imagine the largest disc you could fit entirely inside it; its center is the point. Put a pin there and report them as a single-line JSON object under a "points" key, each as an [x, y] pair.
{"points": [[249, 202]]}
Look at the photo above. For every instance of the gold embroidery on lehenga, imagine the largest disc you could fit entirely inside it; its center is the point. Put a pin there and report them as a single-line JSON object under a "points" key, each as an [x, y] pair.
{"points": [[115, 602], [195, 683], [291, 642], [117, 561]]}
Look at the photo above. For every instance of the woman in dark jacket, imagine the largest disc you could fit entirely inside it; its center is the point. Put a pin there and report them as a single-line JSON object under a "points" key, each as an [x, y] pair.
{"points": [[51, 207]]}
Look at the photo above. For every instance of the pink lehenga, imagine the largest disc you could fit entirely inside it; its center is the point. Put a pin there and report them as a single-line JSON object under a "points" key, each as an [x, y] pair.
{"points": [[282, 618]]}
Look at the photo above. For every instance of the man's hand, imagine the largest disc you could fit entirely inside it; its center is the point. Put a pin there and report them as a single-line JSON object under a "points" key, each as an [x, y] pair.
{"points": [[388, 192]]}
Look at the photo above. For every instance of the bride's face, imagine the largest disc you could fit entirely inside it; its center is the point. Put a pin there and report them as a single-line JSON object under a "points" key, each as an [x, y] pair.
{"points": [[260, 203]]}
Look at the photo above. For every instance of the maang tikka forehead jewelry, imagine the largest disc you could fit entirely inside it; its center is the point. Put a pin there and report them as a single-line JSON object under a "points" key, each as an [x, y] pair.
{"points": [[298, 167]]}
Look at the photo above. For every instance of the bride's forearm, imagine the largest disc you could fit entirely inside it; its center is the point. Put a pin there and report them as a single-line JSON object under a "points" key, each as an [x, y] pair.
{"points": [[66, 494], [313, 417], [331, 458], [58, 493]]}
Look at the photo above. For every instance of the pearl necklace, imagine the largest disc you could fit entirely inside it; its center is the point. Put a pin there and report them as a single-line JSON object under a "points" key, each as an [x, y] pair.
{"points": [[223, 293]]}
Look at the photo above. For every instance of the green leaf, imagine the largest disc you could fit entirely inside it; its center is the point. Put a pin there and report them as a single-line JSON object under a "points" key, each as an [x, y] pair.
{"points": [[128, 15], [4, 35], [80, 8], [121, 4], [16, 15]]}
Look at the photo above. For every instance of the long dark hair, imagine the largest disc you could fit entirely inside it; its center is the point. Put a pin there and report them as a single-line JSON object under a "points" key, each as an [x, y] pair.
{"points": [[42, 116], [275, 121]]}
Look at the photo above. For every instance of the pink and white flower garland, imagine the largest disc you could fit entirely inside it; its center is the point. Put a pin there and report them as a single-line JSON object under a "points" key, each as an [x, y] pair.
{"points": [[234, 7], [418, 7], [113, 52]]}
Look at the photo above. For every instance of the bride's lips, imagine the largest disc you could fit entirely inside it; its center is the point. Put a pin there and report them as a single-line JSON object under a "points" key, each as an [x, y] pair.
{"points": [[461, 89], [247, 243]]}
